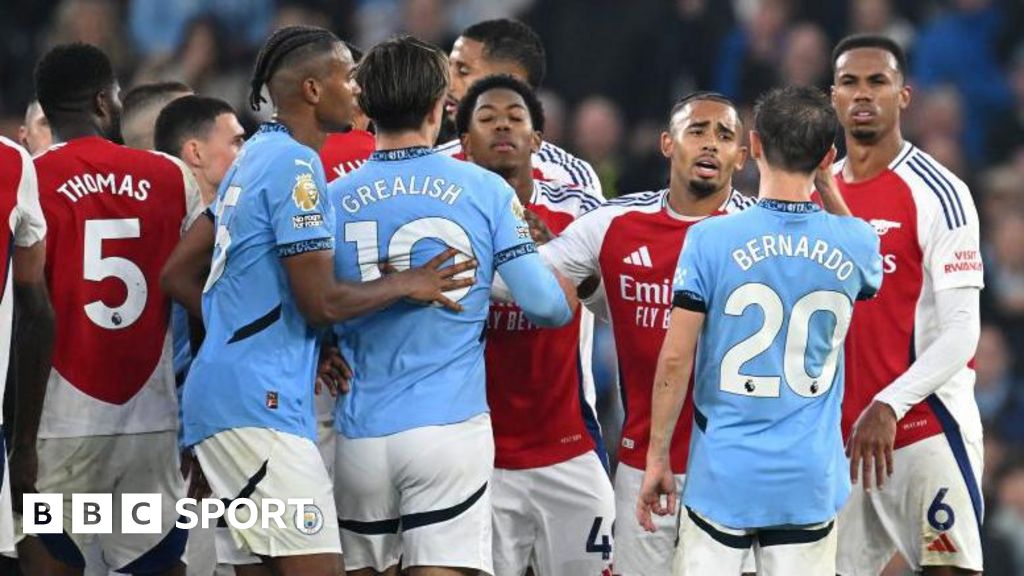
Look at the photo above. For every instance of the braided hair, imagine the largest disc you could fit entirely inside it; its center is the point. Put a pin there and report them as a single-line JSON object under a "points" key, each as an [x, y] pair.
{"points": [[277, 49]]}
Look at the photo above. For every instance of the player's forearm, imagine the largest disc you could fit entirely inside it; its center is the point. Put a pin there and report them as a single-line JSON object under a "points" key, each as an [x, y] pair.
{"points": [[831, 197], [347, 300], [671, 381], [545, 300], [958, 310], [186, 269], [33, 336]]}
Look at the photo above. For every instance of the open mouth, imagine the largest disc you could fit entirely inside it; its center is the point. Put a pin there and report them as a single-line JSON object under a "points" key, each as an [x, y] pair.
{"points": [[706, 168], [450, 104], [862, 116]]}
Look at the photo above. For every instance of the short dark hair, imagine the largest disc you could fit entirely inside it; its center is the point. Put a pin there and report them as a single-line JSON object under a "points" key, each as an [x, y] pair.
{"points": [[797, 126], [700, 96], [286, 45], [401, 80], [143, 96], [185, 118], [69, 76], [464, 115], [871, 41], [509, 40]]}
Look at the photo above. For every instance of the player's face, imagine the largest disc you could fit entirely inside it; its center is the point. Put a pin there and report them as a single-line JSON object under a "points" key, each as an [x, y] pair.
{"points": [[869, 93], [704, 145], [467, 64], [501, 137], [35, 135], [219, 149], [336, 104]]}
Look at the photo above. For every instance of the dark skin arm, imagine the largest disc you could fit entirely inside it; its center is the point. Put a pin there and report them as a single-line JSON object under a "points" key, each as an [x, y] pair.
{"points": [[185, 271], [33, 337]]}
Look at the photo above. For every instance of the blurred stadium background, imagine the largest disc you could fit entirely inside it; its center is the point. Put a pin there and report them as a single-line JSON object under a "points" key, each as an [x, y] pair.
{"points": [[614, 68]]}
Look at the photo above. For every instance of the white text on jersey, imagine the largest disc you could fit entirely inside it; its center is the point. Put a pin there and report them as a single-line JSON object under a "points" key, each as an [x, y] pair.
{"points": [[758, 249], [437, 188], [81, 185]]}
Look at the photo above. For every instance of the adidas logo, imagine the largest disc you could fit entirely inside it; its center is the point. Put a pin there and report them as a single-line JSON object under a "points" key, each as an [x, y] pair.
{"points": [[639, 257], [942, 544]]}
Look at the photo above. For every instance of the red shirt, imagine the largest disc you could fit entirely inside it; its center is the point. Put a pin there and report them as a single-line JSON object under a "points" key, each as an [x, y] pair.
{"points": [[343, 152]]}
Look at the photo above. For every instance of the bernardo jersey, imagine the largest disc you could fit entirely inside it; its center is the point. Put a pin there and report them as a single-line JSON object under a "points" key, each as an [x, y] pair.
{"points": [[343, 152], [777, 283], [633, 243], [928, 227], [113, 216], [550, 163], [257, 365], [420, 365], [535, 377], [24, 227]]}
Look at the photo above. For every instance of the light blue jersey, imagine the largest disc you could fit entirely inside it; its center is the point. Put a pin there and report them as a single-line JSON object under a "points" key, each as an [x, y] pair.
{"points": [[257, 365], [777, 284], [417, 365]]}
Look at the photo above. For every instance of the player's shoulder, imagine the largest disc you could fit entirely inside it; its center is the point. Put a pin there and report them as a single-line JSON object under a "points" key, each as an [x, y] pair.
{"points": [[449, 148], [553, 153], [564, 198], [738, 202], [638, 200], [12, 154], [934, 187]]}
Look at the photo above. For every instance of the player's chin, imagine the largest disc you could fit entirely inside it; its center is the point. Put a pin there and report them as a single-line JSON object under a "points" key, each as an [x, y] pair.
{"points": [[704, 187]]}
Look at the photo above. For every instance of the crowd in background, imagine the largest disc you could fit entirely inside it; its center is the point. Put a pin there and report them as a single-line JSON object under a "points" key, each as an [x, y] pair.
{"points": [[614, 68]]}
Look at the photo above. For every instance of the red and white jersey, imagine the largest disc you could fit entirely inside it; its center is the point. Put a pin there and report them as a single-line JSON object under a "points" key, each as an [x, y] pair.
{"points": [[928, 227], [551, 164], [343, 152], [535, 377], [634, 242], [113, 214], [19, 206]]}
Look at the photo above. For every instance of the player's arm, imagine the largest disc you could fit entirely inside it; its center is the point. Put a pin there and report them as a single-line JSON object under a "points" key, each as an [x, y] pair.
{"points": [[323, 300], [185, 271], [828, 189], [33, 333], [546, 297]]}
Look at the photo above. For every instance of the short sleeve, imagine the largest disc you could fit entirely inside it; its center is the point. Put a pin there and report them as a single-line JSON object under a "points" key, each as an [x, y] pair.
{"points": [[951, 245], [511, 234], [30, 227], [869, 261], [194, 204], [689, 283], [576, 251], [302, 220]]}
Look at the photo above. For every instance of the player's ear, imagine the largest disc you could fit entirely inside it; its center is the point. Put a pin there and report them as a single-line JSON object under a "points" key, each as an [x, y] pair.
{"points": [[191, 153], [755, 145], [536, 139], [906, 95], [667, 145], [741, 157], [466, 148], [311, 90]]}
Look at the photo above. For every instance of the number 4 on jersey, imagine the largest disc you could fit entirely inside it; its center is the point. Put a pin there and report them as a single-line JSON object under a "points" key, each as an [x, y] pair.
{"points": [[605, 547]]}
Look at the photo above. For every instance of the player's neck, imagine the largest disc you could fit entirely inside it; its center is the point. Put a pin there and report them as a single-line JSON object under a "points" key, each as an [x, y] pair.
{"points": [[404, 139], [684, 202], [68, 131], [303, 129], [785, 186], [864, 161], [522, 183]]}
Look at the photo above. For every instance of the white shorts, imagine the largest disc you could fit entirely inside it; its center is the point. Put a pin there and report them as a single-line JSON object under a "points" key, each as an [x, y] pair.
{"points": [[709, 548], [258, 463], [642, 553], [421, 495], [556, 519], [929, 511], [119, 464], [326, 437]]}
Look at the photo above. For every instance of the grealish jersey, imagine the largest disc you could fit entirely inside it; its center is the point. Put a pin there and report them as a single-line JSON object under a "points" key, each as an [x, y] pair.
{"points": [[113, 214], [928, 226], [535, 376], [550, 163], [633, 243], [777, 284], [416, 365], [24, 227], [343, 152], [257, 364]]}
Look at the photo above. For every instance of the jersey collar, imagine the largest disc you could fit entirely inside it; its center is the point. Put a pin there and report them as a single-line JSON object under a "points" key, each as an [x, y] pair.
{"points": [[273, 126], [401, 153], [787, 206]]}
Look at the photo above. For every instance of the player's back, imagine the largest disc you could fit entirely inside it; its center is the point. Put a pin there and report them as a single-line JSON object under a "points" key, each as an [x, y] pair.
{"points": [[777, 283], [419, 365], [114, 214], [257, 363]]}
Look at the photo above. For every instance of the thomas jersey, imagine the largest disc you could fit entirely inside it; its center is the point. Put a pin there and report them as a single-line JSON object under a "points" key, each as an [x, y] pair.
{"points": [[257, 365], [113, 216], [550, 163], [343, 152], [24, 227], [777, 284], [633, 243], [928, 227], [535, 377], [419, 365]]}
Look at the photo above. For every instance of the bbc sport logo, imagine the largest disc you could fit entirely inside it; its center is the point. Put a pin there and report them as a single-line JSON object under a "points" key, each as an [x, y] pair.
{"points": [[143, 513]]}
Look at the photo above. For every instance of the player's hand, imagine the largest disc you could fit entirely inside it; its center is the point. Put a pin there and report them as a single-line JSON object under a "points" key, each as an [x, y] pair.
{"points": [[24, 469], [429, 282], [332, 373], [870, 445], [658, 482], [539, 231]]}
